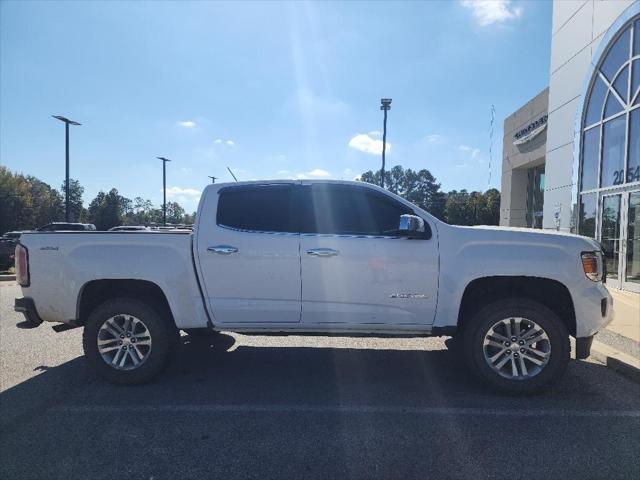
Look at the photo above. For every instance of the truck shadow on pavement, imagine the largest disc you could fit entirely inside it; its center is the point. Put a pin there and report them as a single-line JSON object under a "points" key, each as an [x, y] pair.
{"points": [[216, 371]]}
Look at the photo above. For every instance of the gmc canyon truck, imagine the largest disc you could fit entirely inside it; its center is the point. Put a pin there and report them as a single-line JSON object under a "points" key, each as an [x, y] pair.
{"points": [[321, 257]]}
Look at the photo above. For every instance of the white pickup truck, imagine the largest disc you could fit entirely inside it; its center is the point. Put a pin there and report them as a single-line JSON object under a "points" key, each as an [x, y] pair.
{"points": [[320, 257]]}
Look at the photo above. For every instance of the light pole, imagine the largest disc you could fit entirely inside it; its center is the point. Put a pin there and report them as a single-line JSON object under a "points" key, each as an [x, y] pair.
{"points": [[164, 189], [213, 179], [386, 106], [67, 122]]}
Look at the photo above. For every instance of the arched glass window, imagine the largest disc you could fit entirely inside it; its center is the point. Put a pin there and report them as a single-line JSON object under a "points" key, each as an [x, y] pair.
{"points": [[610, 130]]}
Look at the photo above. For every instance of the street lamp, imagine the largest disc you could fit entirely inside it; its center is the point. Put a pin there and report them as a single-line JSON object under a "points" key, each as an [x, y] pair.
{"points": [[386, 106], [213, 179], [67, 122], [164, 189]]}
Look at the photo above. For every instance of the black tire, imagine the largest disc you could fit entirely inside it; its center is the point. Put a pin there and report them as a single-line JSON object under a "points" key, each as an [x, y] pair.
{"points": [[163, 334], [478, 326]]}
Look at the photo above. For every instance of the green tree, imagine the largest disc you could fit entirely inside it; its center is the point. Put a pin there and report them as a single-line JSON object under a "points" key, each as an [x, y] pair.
{"points": [[175, 213], [418, 187], [27, 202], [475, 208], [457, 209], [109, 210], [75, 199], [48, 202]]}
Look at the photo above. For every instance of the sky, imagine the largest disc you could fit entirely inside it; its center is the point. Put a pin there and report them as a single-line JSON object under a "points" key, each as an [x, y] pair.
{"points": [[269, 89]]}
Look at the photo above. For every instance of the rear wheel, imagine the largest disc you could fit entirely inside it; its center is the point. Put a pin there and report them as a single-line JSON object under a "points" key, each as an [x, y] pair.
{"points": [[127, 342], [516, 345]]}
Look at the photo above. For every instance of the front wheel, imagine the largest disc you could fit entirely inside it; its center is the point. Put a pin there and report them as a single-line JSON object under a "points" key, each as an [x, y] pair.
{"points": [[517, 346], [127, 342]]}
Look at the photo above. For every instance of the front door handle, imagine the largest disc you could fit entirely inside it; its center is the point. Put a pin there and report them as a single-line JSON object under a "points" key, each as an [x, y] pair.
{"points": [[323, 252], [222, 249]]}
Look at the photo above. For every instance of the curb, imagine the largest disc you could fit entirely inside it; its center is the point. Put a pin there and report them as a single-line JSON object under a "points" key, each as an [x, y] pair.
{"points": [[7, 278], [621, 362]]}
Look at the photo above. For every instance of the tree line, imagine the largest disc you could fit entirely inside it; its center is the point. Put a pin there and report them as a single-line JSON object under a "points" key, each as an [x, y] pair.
{"points": [[454, 207], [27, 202]]}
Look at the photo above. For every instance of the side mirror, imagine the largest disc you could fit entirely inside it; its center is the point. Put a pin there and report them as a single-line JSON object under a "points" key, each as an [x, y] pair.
{"points": [[412, 226]]}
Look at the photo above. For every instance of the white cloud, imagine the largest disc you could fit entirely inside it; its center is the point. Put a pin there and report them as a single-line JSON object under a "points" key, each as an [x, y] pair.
{"points": [[189, 192], [375, 133], [433, 138], [183, 195], [186, 170], [318, 173], [187, 123], [366, 144], [315, 173], [349, 174], [474, 152], [229, 142], [487, 12]]}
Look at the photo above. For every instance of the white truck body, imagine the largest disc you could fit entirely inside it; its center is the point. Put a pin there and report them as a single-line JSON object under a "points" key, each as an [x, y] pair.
{"points": [[235, 279]]}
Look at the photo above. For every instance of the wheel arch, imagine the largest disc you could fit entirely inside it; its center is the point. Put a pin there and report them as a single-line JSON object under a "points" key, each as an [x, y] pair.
{"points": [[551, 293], [95, 292]]}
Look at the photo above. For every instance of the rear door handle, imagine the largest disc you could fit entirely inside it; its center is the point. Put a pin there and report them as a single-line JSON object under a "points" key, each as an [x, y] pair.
{"points": [[323, 252], [222, 249]]}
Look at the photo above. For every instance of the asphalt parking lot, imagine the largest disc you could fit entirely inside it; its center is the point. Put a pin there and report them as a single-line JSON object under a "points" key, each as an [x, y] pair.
{"points": [[301, 407]]}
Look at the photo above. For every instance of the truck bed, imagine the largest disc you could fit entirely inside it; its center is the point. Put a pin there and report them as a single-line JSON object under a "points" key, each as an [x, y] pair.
{"points": [[62, 263]]}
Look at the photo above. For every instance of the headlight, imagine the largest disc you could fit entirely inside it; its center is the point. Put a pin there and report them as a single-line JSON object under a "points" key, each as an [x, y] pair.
{"points": [[592, 265]]}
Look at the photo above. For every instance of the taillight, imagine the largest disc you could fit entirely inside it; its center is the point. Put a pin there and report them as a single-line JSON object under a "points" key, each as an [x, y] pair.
{"points": [[22, 265]]}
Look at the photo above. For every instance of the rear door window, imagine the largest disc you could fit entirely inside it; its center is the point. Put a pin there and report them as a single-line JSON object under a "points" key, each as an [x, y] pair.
{"points": [[260, 208]]}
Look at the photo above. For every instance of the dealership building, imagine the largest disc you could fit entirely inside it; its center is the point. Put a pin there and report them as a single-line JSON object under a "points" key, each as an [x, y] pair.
{"points": [[571, 155]]}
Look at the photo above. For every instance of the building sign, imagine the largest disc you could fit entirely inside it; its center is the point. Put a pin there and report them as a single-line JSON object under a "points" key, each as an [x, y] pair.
{"points": [[531, 131]]}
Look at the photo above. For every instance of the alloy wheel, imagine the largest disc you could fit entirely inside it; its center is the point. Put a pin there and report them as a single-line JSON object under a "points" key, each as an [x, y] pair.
{"points": [[517, 348], [124, 342]]}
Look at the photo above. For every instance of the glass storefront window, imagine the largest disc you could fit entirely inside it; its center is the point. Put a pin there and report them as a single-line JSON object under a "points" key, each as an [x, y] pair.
{"points": [[633, 159], [611, 110], [613, 106], [610, 236], [587, 219], [635, 81], [613, 145], [632, 273], [590, 155], [535, 196], [622, 83], [618, 54], [609, 163], [594, 107]]}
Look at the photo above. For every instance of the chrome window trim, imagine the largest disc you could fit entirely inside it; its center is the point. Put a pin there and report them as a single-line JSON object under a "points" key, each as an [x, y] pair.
{"points": [[324, 235], [244, 230]]}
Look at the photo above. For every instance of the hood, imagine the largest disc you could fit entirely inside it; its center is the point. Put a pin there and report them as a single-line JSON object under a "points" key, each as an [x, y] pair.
{"points": [[489, 232]]}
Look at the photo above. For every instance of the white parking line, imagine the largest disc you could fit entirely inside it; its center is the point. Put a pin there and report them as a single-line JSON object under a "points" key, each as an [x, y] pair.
{"points": [[435, 411]]}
